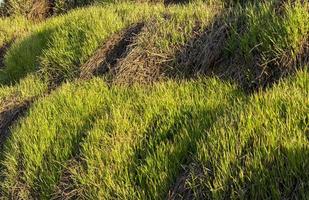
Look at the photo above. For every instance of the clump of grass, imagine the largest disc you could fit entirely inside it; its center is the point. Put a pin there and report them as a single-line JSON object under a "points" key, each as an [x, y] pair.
{"points": [[154, 51], [269, 40], [13, 28], [61, 43], [29, 87], [259, 148]]}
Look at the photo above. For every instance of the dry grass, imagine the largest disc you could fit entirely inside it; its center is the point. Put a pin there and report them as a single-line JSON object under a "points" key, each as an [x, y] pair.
{"points": [[3, 50], [11, 110], [139, 66], [115, 48]]}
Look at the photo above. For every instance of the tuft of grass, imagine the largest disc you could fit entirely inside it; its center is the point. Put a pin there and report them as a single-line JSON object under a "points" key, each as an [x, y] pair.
{"points": [[262, 31], [29, 87]]}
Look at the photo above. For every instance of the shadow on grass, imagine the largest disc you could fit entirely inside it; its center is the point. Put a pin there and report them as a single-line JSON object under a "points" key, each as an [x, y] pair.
{"points": [[282, 175], [208, 53], [23, 56]]}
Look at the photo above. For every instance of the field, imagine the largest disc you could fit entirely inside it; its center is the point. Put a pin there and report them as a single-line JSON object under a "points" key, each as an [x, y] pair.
{"points": [[154, 99]]}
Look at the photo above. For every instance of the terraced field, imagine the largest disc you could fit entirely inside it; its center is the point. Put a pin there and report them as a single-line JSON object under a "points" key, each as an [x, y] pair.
{"points": [[154, 100]]}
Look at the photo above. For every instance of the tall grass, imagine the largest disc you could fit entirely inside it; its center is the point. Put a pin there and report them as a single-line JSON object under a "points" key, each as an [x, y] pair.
{"points": [[270, 31], [61, 45], [91, 140], [77, 107], [109, 143], [259, 149]]}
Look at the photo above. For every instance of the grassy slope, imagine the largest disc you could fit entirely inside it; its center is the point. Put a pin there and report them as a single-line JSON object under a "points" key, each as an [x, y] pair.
{"points": [[267, 137], [110, 144], [91, 141]]}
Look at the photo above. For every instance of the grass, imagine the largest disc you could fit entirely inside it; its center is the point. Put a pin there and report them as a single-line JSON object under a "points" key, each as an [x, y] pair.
{"points": [[27, 88], [267, 140], [13, 28], [201, 138], [270, 31], [107, 143], [77, 108], [45, 46], [62, 44]]}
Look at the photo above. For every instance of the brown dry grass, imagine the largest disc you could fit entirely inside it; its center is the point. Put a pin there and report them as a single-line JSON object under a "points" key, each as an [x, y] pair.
{"points": [[3, 50], [65, 189], [143, 64], [115, 48], [41, 9], [202, 54], [181, 190], [11, 110]]}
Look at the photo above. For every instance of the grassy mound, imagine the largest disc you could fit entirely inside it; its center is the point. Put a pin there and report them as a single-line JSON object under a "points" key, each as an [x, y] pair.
{"points": [[81, 110], [61, 45], [267, 151], [176, 41]]}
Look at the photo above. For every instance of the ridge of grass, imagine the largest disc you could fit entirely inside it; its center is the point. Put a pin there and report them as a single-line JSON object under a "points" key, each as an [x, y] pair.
{"points": [[267, 148], [75, 105], [60, 45], [121, 147]]}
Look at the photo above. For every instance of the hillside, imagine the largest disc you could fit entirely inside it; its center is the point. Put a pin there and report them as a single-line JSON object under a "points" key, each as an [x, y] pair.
{"points": [[154, 99]]}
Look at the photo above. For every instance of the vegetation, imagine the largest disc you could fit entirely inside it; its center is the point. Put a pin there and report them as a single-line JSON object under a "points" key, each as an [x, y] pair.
{"points": [[203, 100]]}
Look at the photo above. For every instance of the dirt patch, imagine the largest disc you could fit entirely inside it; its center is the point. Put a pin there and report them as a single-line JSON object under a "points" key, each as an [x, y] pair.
{"points": [[181, 189], [3, 50], [10, 112], [106, 57], [66, 188]]}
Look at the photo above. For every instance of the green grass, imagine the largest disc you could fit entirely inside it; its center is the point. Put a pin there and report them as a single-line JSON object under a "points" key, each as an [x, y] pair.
{"points": [[272, 36], [26, 89], [47, 49], [259, 149], [79, 107], [110, 143], [93, 140], [13, 28], [62, 44]]}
